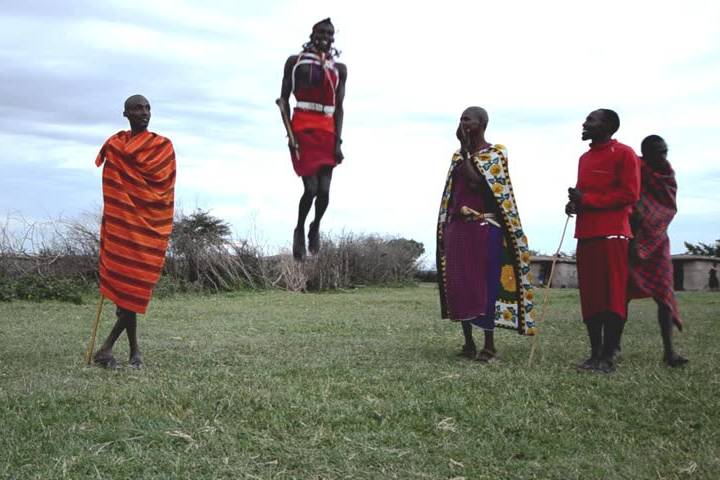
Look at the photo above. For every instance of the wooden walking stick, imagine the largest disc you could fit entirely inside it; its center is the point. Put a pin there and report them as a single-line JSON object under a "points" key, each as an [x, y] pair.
{"points": [[546, 287], [93, 334], [288, 125]]}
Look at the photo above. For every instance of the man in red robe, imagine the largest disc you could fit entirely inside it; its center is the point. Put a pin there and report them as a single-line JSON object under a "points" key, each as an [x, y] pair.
{"points": [[608, 187], [318, 83], [138, 197], [651, 269]]}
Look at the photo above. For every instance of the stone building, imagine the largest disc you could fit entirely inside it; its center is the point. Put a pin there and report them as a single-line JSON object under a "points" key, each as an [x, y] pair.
{"points": [[691, 272], [565, 275]]}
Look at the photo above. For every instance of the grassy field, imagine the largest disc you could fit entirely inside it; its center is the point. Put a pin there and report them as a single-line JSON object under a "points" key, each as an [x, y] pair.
{"points": [[363, 384]]}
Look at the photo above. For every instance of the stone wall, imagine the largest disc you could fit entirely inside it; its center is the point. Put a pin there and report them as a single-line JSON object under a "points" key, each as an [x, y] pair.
{"points": [[692, 272], [565, 275]]}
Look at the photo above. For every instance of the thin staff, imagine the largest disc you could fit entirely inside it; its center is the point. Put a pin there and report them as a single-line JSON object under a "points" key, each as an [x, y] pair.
{"points": [[545, 297], [93, 333]]}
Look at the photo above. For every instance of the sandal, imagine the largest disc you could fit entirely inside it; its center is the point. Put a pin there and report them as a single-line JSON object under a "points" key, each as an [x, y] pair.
{"points": [[105, 361], [136, 361], [587, 365], [468, 351], [486, 356], [675, 360], [605, 366]]}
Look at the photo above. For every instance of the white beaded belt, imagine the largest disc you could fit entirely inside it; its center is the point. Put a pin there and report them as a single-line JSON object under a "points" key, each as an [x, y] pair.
{"points": [[316, 107], [622, 237]]}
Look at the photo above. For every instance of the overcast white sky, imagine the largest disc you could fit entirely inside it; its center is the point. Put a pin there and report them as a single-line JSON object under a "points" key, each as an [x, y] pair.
{"points": [[212, 69]]}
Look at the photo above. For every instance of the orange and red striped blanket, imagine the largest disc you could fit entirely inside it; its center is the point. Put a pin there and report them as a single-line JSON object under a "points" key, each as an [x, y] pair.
{"points": [[138, 196]]}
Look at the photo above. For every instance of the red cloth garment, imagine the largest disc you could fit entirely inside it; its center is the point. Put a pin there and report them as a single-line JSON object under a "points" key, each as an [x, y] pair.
{"points": [[315, 130], [609, 179], [317, 144], [138, 196], [651, 270], [318, 65], [602, 267]]}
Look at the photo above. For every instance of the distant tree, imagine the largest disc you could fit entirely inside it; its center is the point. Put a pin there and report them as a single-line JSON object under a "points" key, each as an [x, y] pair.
{"points": [[410, 247], [193, 236], [704, 249]]}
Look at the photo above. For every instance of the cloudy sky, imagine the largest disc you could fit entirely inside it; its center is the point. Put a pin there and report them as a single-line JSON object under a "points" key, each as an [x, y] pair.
{"points": [[212, 69]]}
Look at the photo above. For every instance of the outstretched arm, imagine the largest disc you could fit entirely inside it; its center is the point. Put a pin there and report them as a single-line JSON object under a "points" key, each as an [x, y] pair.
{"points": [[339, 112]]}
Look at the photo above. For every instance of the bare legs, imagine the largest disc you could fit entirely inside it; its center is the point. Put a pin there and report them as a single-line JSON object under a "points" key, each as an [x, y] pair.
{"points": [[316, 187], [469, 350], [666, 327], [126, 321]]}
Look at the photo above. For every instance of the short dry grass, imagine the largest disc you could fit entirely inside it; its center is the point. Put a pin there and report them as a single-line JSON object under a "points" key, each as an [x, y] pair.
{"points": [[363, 384]]}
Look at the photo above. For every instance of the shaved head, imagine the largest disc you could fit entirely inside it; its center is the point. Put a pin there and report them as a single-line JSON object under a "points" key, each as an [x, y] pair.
{"points": [[654, 150], [134, 100], [612, 120], [479, 114], [471, 131], [651, 142], [137, 111]]}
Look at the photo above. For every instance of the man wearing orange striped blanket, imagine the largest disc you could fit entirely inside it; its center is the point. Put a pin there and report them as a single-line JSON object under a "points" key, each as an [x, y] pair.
{"points": [[138, 195]]}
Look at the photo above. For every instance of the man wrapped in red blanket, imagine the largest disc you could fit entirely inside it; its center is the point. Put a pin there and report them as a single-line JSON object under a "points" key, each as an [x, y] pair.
{"points": [[138, 197], [651, 269]]}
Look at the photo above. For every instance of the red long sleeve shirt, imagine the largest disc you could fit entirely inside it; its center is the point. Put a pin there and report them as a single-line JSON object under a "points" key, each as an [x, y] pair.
{"points": [[609, 179]]}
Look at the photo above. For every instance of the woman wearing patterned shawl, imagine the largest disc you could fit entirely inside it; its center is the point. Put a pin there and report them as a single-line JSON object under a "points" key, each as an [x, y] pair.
{"points": [[483, 259]]}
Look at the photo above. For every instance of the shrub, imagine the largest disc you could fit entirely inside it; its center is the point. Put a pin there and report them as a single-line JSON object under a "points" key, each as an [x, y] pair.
{"points": [[201, 252], [36, 287], [349, 261], [58, 260]]}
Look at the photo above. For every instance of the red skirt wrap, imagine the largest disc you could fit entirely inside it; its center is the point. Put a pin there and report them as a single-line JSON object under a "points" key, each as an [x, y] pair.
{"points": [[315, 133], [602, 266]]}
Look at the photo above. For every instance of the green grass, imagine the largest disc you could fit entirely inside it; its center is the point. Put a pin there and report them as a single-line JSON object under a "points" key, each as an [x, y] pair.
{"points": [[363, 384]]}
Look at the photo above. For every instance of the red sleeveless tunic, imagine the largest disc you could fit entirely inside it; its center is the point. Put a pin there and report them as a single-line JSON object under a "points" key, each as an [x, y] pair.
{"points": [[313, 121]]}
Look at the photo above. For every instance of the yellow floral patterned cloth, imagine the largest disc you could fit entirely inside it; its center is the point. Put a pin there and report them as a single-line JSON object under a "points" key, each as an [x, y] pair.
{"points": [[514, 305]]}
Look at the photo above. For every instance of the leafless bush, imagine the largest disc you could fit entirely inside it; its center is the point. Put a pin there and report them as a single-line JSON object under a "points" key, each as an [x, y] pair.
{"points": [[59, 248], [351, 260], [203, 255], [202, 252], [290, 274]]}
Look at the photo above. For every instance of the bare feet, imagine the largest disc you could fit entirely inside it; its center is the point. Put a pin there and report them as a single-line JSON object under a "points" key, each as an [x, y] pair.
{"points": [[105, 360]]}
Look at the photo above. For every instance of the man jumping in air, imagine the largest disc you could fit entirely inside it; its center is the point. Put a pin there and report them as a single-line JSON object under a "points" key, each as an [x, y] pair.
{"points": [[318, 83]]}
